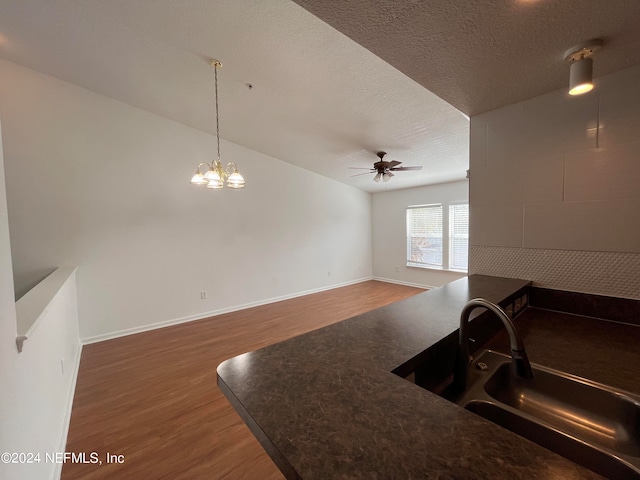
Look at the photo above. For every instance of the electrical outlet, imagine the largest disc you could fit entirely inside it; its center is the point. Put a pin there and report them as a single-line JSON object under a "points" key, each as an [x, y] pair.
{"points": [[203, 295], [509, 310], [397, 268], [329, 273]]}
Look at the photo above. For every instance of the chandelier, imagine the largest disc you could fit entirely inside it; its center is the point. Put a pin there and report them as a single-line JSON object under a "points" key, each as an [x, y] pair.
{"points": [[216, 173]]}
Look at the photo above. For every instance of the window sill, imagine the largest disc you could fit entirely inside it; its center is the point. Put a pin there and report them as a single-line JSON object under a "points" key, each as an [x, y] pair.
{"points": [[436, 269]]}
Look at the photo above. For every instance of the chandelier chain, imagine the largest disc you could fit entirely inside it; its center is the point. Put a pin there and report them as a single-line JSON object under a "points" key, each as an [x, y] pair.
{"points": [[217, 120]]}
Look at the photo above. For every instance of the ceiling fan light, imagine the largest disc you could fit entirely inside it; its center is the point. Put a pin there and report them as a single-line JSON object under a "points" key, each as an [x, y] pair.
{"points": [[386, 177], [377, 177]]}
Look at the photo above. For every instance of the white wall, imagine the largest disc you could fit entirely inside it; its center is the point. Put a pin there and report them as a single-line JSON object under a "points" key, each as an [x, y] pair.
{"points": [[37, 394], [96, 183], [390, 232], [555, 189]]}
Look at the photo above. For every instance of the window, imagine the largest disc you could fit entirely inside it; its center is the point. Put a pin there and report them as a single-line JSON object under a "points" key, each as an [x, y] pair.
{"points": [[458, 236], [438, 236], [424, 236]]}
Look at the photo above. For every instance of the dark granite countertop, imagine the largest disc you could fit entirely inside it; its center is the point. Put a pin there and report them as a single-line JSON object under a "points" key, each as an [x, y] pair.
{"points": [[325, 405], [600, 350]]}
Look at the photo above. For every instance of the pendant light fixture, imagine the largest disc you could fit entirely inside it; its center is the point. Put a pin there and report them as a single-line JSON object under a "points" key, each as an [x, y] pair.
{"points": [[216, 173], [581, 70]]}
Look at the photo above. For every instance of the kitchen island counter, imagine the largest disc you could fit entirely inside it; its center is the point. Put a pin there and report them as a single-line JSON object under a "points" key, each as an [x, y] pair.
{"points": [[326, 405]]}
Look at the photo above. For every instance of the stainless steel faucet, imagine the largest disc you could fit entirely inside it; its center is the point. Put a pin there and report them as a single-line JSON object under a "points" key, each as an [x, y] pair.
{"points": [[519, 360]]}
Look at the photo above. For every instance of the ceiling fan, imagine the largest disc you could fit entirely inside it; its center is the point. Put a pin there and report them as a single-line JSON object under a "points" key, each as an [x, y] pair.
{"points": [[384, 169]]}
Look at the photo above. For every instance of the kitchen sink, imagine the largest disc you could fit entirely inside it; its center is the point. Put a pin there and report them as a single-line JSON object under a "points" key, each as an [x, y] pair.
{"points": [[589, 423]]}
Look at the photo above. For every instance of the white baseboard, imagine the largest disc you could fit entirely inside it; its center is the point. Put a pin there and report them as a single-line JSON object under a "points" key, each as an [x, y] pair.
{"points": [[400, 282], [62, 444], [200, 316]]}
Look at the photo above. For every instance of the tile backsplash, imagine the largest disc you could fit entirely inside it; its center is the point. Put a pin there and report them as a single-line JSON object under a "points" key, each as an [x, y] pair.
{"points": [[602, 273]]}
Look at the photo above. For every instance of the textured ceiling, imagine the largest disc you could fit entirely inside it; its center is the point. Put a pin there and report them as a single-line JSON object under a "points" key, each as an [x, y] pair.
{"points": [[480, 55], [319, 100]]}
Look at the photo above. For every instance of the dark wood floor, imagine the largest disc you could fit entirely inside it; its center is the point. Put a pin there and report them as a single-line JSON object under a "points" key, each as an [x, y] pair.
{"points": [[152, 397]]}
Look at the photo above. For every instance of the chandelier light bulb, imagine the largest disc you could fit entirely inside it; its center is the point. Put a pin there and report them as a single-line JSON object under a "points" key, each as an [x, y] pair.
{"points": [[211, 175], [198, 179], [235, 180]]}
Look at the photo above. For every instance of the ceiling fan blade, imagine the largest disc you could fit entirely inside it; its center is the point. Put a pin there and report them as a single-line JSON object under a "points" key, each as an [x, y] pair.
{"points": [[358, 174], [392, 164], [362, 168], [399, 169]]}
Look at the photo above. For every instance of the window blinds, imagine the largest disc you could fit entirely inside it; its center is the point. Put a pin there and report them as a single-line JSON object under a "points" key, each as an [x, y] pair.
{"points": [[424, 235]]}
